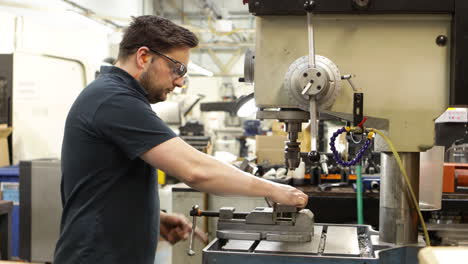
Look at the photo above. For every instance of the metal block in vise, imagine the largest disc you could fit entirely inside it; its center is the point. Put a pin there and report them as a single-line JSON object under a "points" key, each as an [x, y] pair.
{"points": [[281, 208], [261, 216], [226, 212]]}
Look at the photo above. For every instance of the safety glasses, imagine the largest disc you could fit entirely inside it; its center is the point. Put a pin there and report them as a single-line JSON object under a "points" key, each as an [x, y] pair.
{"points": [[179, 68]]}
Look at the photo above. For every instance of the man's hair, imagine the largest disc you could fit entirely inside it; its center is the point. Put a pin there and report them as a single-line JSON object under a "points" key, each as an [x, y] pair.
{"points": [[156, 33]]}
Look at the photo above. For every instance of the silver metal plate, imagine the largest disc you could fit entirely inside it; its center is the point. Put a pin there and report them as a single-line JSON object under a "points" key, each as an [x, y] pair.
{"points": [[292, 247], [341, 240], [238, 245], [304, 237], [233, 234]]}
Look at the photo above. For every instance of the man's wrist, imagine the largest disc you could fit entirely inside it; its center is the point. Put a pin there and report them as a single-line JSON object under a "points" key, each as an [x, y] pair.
{"points": [[270, 189]]}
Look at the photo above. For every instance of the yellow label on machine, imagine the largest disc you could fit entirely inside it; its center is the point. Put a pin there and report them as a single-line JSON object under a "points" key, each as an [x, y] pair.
{"points": [[161, 177]]}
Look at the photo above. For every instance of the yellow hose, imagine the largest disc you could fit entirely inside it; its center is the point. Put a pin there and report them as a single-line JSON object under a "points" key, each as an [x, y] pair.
{"points": [[403, 171]]}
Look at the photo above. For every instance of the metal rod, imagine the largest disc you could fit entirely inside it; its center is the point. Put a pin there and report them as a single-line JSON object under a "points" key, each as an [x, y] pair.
{"points": [[348, 78], [310, 30], [306, 88], [236, 215], [192, 236], [313, 123], [352, 84]]}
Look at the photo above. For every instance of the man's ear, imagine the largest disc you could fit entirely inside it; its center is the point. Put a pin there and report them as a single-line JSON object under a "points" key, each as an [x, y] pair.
{"points": [[142, 57]]}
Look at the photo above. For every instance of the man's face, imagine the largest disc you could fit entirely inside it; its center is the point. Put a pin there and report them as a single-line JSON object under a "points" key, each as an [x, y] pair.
{"points": [[159, 78]]}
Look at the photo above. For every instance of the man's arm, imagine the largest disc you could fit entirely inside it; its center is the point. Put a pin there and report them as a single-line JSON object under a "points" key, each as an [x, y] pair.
{"points": [[207, 174]]}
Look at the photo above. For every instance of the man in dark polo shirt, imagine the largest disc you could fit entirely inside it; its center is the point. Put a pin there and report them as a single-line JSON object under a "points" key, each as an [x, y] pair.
{"points": [[113, 141]]}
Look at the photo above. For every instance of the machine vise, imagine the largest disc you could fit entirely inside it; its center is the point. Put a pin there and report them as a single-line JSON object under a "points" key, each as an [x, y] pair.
{"points": [[278, 223]]}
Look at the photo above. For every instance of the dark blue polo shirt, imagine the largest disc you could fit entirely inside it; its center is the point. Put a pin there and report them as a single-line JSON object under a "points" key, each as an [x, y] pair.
{"points": [[109, 195]]}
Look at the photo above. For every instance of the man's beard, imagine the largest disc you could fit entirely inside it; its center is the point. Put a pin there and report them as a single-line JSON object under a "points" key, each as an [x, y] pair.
{"points": [[155, 94]]}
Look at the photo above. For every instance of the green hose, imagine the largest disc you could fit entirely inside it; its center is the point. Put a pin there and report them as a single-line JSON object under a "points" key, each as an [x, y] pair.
{"points": [[360, 214]]}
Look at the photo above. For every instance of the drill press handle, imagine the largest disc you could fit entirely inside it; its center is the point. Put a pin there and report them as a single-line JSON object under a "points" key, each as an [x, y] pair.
{"points": [[195, 209]]}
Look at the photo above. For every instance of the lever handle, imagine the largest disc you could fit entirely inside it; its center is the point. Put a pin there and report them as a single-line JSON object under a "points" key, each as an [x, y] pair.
{"points": [[190, 251]]}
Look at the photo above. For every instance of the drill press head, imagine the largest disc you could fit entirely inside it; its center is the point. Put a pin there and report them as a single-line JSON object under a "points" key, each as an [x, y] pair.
{"points": [[303, 84]]}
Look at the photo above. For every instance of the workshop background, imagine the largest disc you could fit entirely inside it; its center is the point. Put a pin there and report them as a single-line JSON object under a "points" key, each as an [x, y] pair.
{"points": [[51, 49]]}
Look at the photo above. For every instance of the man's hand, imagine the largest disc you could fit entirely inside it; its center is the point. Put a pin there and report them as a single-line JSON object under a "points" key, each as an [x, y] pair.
{"points": [[175, 227], [288, 195]]}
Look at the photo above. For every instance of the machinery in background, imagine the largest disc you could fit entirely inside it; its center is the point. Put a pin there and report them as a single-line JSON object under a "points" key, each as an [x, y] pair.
{"points": [[40, 210], [194, 134], [176, 109], [452, 133], [235, 107], [449, 225], [29, 102], [231, 137], [337, 176], [452, 126], [455, 178], [174, 112]]}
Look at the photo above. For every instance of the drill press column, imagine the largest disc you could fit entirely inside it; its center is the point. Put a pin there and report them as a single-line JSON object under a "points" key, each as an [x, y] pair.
{"points": [[398, 219]]}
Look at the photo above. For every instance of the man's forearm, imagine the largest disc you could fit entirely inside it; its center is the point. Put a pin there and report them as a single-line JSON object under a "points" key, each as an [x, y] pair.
{"points": [[205, 173], [223, 179]]}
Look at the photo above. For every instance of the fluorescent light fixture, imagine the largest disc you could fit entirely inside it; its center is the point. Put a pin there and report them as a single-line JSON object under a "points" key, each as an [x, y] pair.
{"points": [[198, 70]]}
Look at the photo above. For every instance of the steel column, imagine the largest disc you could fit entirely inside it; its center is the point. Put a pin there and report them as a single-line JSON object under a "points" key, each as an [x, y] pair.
{"points": [[398, 223]]}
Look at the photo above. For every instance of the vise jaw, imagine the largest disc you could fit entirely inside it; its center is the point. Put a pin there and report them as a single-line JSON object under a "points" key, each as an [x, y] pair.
{"points": [[280, 223]]}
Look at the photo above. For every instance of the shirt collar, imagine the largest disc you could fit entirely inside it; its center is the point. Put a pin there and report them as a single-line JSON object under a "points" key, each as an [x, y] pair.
{"points": [[132, 82]]}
